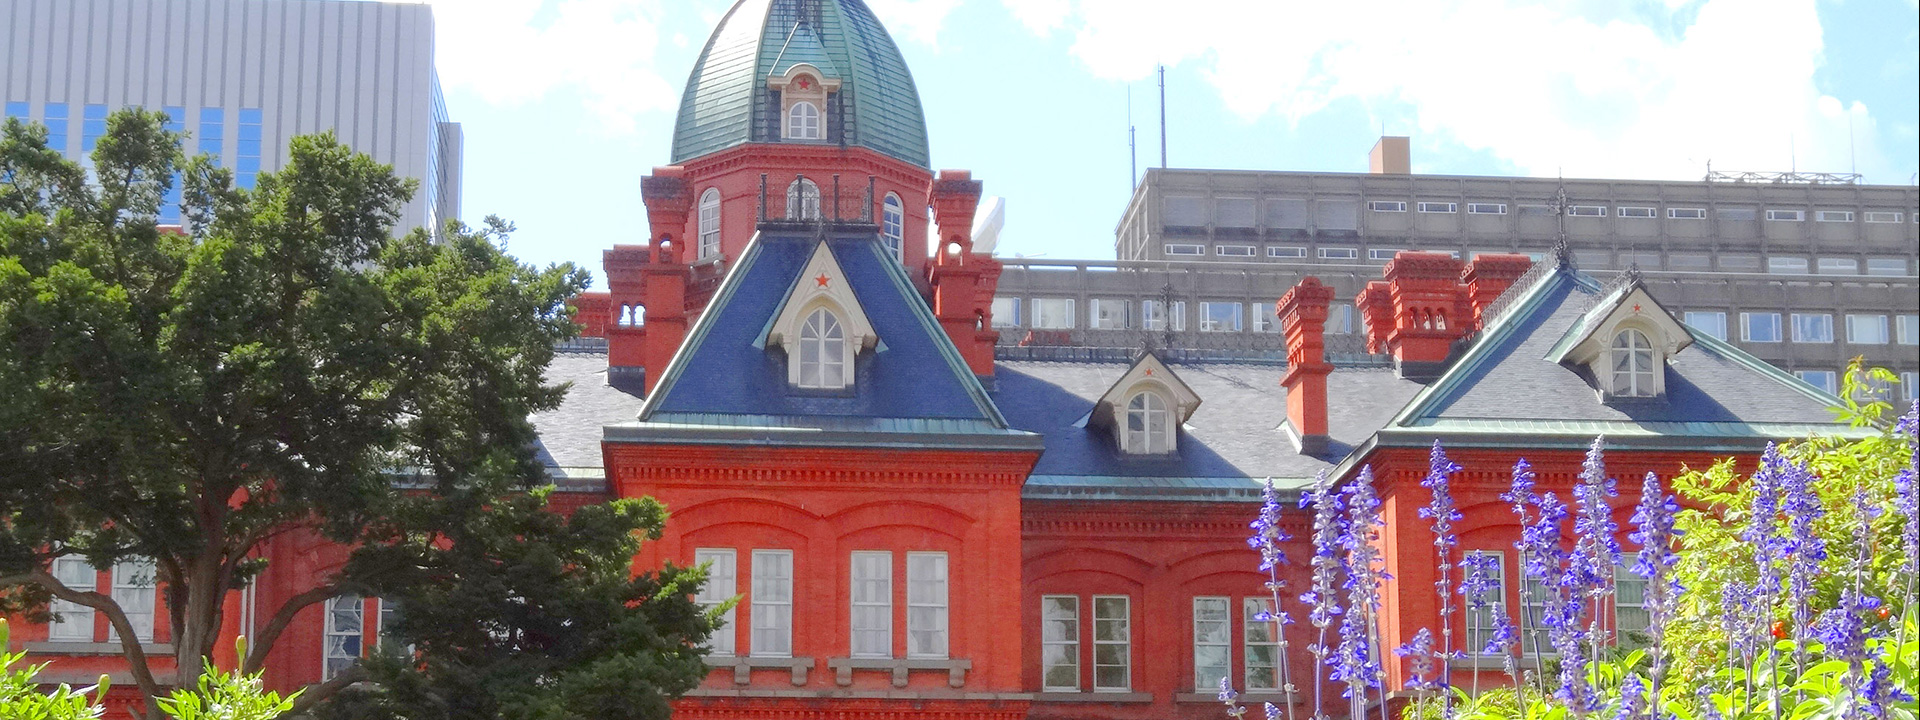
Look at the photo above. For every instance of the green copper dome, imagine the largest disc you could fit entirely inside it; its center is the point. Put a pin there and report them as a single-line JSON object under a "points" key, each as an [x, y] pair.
{"points": [[727, 101]]}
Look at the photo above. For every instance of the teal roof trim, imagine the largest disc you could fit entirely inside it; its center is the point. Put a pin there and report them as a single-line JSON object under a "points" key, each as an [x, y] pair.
{"points": [[955, 364], [681, 356], [1729, 351], [802, 47], [1174, 489]]}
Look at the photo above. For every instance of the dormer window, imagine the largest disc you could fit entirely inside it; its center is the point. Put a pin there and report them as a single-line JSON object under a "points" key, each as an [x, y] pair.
{"points": [[803, 122], [823, 352], [1149, 424], [1633, 366]]}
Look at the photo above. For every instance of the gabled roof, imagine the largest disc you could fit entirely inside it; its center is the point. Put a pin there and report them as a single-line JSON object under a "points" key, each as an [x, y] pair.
{"points": [[1626, 298], [1148, 369], [823, 280], [802, 47], [725, 386]]}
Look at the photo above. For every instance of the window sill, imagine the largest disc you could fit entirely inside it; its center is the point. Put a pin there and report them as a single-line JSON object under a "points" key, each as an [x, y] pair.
{"points": [[1093, 697], [75, 647], [956, 668], [1494, 662], [1251, 698], [743, 666]]}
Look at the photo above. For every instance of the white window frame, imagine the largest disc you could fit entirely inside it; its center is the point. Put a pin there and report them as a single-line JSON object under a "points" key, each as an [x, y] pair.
{"points": [[1882, 216], [1438, 208], [804, 125], [1827, 380], [1806, 325], [1486, 208], [1209, 324], [1211, 634], [1070, 644], [1065, 314], [870, 588], [1866, 320], [1476, 636], [333, 656], [1686, 213], [1107, 314], [1624, 577], [929, 589], [1268, 640], [772, 604], [1636, 380], [1185, 249], [1906, 329], [1746, 326], [893, 226], [1233, 251], [1909, 385], [825, 360], [1382, 254], [1587, 210], [709, 224], [1124, 623], [803, 199], [1006, 312], [1787, 265], [722, 583], [1835, 216], [1885, 267], [1153, 317], [1786, 215], [1149, 424], [75, 621], [1717, 328], [135, 582], [1339, 253], [1288, 251], [1398, 206], [1836, 266], [1635, 211]]}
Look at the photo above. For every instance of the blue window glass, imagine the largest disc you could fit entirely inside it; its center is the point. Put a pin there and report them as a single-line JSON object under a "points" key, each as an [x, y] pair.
{"points": [[213, 135], [93, 124], [170, 202], [247, 165], [17, 109], [56, 122]]}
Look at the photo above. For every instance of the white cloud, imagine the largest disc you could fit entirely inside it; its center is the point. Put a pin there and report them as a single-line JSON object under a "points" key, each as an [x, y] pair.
{"points": [[1584, 88], [518, 51], [917, 20]]}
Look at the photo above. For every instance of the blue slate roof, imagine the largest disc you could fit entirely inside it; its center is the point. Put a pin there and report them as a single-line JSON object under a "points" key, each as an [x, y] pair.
{"points": [[724, 383]]}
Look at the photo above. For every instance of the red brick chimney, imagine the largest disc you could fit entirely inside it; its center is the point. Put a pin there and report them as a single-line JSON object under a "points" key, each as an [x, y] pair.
{"points": [[1375, 306], [1303, 317], [1487, 277], [647, 284], [1430, 311], [963, 283]]}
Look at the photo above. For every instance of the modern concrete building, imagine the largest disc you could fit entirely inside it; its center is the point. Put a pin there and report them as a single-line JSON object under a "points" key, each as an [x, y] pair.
{"points": [[1805, 273], [240, 77]]}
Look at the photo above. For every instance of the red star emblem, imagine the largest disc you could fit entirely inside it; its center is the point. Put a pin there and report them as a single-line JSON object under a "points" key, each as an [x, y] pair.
{"points": [[822, 280], [804, 83], [1636, 307], [1149, 372]]}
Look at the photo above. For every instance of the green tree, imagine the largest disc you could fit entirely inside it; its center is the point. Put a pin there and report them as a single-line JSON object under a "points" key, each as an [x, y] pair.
{"points": [[286, 364]]}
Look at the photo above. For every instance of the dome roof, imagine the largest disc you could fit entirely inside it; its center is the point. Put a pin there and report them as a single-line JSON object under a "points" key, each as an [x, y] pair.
{"points": [[727, 101]]}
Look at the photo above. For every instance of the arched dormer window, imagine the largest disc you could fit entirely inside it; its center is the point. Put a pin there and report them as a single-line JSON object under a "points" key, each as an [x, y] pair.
{"points": [[709, 223], [823, 351], [803, 122], [1633, 364], [803, 200], [1149, 424], [893, 225]]}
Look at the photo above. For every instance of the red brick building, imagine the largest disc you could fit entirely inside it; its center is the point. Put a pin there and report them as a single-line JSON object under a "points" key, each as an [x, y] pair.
{"points": [[799, 362]]}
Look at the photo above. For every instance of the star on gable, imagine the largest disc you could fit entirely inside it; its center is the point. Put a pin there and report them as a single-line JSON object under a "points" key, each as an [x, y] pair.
{"points": [[822, 281], [1149, 372], [1636, 307]]}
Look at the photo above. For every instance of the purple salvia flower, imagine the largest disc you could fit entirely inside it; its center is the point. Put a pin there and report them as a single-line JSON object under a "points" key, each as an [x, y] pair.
{"points": [[1230, 698], [1353, 661], [1520, 493], [1804, 549], [1762, 531], [1441, 510], [1323, 597], [1654, 529], [1420, 651], [1596, 546], [1709, 709], [1906, 496], [1633, 699], [1879, 690], [1266, 538]]}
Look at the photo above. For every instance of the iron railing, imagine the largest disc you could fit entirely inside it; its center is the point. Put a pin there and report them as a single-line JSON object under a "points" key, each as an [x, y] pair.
{"points": [[804, 202]]}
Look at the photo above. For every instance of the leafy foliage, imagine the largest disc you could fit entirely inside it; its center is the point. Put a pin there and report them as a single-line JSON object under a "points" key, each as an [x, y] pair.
{"points": [[22, 699], [227, 696]]}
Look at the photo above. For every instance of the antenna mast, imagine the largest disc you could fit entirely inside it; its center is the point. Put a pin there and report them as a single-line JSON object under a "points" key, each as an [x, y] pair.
{"points": [[1133, 154], [1163, 117]]}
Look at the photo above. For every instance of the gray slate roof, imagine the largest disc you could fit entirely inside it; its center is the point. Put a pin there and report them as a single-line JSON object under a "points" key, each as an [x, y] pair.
{"points": [[569, 441]]}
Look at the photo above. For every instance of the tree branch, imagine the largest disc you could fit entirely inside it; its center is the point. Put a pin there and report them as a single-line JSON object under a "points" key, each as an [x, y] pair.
{"points": [[317, 693], [129, 641], [258, 646]]}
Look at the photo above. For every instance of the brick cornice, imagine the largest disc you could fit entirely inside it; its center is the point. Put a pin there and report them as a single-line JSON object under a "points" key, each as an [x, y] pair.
{"points": [[815, 468], [1150, 519]]}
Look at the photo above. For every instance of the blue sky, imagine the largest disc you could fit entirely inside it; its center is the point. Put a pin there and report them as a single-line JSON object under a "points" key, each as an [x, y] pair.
{"points": [[566, 104]]}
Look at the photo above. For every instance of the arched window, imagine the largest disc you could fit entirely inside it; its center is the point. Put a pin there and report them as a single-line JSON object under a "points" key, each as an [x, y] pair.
{"points": [[803, 200], [1149, 424], [823, 351], [1632, 364], [892, 224], [709, 223], [803, 122]]}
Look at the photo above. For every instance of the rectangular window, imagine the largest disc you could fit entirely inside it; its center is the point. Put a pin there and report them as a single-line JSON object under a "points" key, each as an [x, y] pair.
{"points": [[1053, 313], [1480, 611], [1183, 211], [926, 605], [386, 641], [133, 584], [721, 584], [872, 612], [1381, 254], [1882, 217], [74, 621], [17, 109], [246, 164], [1262, 646], [1593, 258], [1909, 385], [1634, 212], [213, 122], [1340, 319], [1060, 643], [1736, 262], [1833, 216], [1387, 206], [1486, 208], [1886, 266], [1629, 598], [1827, 380], [1839, 266], [1787, 215], [1812, 328], [56, 122], [1535, 596], [1220, 317], [345, 633], [1439, 207], [1006, 312], [170, 204], [1907, 329], [1186, 249], [1711, 323], [1689, 261], [1212, 642], [1867, 329], [1643, 260], [1339, 253], [1734, 214], [1152, 317], [1286, 252], [93, 124], [1288, 214], [1112, 644], [1234, 212], [1587, 210], [1761, 327], [1787, 265], [1107, 314], [772, 601], [1233, 250], [1686, 213]]}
